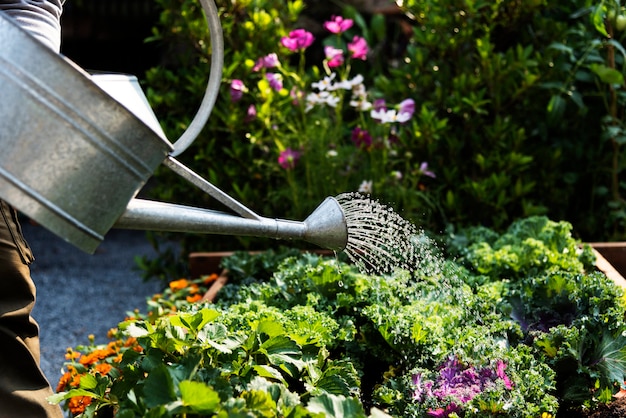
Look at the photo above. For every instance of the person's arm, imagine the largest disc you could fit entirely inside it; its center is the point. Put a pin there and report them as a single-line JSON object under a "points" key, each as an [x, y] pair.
{"points": [[41, 18]]}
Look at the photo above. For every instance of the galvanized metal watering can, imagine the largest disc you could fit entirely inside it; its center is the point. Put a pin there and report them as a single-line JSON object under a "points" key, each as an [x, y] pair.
{"points": [[78, 147]]}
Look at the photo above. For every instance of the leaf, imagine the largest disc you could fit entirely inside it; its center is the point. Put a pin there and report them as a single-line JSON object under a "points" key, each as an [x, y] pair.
{"points": [[158, 388], [198, 396], [218, 337], [556, 107], [606, 74], [88, 381], [260, 402], [270, 328], [282, 349], [336, 406], [597, 18], [194, 321], [333, 383], [268, 372], [612, 358], [62, 396]]}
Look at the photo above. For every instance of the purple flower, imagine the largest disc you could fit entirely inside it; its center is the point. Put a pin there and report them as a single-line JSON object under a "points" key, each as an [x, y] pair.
{"points": [[425, 171], [268, 61], [358, 48], [288, 159], [334, 56], [407, 107], [297, 40], [338, 24], [250, 114], [361, 138], [379, 105], [275, 80], [236, 90]]}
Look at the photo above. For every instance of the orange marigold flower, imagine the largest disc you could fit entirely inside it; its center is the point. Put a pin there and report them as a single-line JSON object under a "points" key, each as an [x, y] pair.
{"points": [[72, 355], [194, 298], [103, 368], [130, 341], [210, 278], [64, 381], [178, 284], [75, 380], [77, 404], [95, 356]]}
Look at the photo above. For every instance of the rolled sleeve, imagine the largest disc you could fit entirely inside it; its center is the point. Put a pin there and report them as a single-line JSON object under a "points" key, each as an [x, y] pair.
{"points": [[41, 18]]}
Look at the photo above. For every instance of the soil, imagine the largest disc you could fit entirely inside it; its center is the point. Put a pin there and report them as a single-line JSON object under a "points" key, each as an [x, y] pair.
{"points": [[616, 409]]}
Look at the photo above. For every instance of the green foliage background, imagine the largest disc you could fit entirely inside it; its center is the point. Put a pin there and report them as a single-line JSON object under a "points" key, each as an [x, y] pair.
{"points": [[518, 110]]}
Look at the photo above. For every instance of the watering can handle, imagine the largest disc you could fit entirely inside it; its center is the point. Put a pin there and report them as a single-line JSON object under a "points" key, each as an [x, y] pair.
{"points": [[213, 85]]}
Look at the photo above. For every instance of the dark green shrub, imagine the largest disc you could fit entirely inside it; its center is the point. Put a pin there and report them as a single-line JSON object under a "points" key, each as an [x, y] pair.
{"points": [[520, 108]]}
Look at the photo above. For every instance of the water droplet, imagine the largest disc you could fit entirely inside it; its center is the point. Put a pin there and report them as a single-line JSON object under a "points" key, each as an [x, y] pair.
{"points": [[380, 240]]}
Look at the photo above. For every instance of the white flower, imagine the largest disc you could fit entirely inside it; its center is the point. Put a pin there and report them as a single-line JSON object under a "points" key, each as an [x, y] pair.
{"points": [[359, 90], [390, 116], [361, 103], [366, 187], [357, 80], [321, 98], [332, 153], [325, 84]]}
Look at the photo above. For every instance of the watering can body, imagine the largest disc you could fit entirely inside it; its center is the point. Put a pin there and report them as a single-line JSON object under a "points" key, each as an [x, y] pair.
{"points": [[72, 156]]}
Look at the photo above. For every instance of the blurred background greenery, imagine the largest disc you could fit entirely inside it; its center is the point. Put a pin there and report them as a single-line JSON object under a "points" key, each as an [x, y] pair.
{"points": [[519, 107]]}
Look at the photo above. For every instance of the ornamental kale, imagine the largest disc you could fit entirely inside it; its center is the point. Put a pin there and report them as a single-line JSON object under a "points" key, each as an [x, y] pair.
{"points": [[458, 384]]}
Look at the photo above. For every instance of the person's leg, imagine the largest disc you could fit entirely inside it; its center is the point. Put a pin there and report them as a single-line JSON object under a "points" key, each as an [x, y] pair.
{"points": [[23, 386]]}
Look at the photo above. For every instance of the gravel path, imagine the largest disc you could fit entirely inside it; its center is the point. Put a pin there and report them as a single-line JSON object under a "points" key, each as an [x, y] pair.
{"points": [[80, 294]]}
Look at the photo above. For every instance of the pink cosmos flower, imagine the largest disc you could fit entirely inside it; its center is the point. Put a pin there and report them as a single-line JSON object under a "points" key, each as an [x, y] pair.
{"points": [[379, 105], [297, 40], [236, 90], [338, 24], [275, 80], [288, 159], [358, 48], [407, 106], [250, 114], [334, 56], [425, 171], [268, 61]]}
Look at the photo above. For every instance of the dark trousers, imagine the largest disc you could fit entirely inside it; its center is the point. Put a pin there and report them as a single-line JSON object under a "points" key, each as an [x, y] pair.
{"points": [[23, 386]]}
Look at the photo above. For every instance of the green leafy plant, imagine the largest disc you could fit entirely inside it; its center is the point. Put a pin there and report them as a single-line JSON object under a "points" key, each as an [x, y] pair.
{"points": [[300, 335]]}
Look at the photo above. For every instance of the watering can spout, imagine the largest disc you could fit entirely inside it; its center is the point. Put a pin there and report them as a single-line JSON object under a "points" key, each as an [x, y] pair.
{"points": [[325, 227]]}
